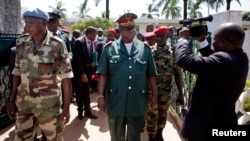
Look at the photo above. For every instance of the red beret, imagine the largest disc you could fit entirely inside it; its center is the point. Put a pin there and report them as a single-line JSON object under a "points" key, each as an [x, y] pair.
{"points": [[161, 30], [149, 34], [112, 30]]}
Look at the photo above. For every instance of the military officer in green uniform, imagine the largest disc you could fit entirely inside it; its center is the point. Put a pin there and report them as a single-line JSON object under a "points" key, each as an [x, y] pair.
{"points": [[42, 65], [53, 26], [125, 67], [163, 55]]}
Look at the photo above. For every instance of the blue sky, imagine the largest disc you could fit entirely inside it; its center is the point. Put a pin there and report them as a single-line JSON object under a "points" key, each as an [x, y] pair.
{"points": [[118, 7]]}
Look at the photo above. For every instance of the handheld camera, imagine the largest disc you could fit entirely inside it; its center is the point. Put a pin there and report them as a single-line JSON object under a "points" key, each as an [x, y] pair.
{"points": [[197, 30]]}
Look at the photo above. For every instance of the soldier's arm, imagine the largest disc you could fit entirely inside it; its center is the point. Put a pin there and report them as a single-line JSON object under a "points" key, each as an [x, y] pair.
{"points": [[12, 109], [67, 90], [101, 90], [152, 83]]}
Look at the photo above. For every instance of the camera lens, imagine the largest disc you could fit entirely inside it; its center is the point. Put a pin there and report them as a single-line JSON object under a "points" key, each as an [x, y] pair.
{"points": [[198, 30]]}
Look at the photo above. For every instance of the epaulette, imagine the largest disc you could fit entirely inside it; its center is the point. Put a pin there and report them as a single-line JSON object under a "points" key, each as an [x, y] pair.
{"points": [[107, 44], [24, 35], [56, 38], [22, 38]]}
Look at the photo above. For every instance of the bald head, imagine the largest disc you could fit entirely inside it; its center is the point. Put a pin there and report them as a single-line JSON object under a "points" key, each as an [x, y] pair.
{"points": [[231, 33]]}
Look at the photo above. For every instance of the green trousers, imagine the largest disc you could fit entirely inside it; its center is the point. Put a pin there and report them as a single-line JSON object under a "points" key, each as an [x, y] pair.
{"points": [[125, 128]]}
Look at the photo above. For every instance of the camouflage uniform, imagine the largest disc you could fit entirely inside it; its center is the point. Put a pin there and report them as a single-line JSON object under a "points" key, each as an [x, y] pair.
{"points": [[156, 117], [39, 93]]}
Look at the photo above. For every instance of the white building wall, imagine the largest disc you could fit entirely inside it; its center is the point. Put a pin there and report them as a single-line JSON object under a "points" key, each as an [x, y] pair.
{"points": [[230, 16]]}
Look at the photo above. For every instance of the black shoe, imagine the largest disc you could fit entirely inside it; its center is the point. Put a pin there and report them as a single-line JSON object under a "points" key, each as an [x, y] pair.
{"points": [[92, 116], [80, 117], [159, 136], [151, 138]]}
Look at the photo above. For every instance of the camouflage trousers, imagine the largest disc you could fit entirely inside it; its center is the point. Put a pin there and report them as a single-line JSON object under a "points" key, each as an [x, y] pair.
{"points": [[48, 120], [156, 118]]}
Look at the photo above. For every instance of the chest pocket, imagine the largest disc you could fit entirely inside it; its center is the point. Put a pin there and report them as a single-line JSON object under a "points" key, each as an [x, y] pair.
{"points": [[141, 64], [115, 63], [46, 65]]}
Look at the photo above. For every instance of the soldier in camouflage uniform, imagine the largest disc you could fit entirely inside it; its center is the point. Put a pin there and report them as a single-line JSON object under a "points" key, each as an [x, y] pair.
{"points": [[163, 55], [42, 65]]}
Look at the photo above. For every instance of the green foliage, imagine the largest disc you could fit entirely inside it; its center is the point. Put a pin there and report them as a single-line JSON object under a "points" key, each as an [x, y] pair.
{"points": [[248, 83], [105, 24], [59, 9], [246, 16], [247, 104]]}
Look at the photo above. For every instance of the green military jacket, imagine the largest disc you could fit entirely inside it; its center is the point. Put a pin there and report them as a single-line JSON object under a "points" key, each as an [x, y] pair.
{"points": [[126, 91], [65, 38], [42, 71]]}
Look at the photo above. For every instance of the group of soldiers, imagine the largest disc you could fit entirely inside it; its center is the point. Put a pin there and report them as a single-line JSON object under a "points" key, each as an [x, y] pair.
{"points": [[46, 64]]}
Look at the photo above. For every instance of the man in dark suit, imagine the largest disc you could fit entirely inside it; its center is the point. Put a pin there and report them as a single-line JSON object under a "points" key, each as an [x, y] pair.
{"points": [[222, 74], [75, 34], [84, 67]]}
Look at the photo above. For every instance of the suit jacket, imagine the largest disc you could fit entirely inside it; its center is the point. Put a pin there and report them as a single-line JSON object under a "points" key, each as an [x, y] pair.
{"points": [[81, 58], [221, 79]]}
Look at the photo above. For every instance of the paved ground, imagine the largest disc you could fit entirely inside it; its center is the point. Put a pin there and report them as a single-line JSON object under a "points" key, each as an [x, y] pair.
{"points": [[93, 130]]}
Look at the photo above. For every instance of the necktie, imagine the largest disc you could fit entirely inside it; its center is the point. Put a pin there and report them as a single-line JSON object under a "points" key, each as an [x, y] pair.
{"points": [[90, 49]]}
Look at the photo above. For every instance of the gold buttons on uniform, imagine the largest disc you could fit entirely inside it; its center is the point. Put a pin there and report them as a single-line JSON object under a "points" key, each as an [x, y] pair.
{"points": [[129, 87], [130, 67], [130, 77]]}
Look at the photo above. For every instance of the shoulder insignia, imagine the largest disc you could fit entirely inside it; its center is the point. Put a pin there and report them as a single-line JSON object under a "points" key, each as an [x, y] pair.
{"points": [[22, 38], [56, 38], [108, 43]]}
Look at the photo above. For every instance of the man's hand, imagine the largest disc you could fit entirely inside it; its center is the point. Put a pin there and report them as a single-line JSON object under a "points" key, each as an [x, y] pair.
{"points": [[12, 110], [65, 116], [201, 38], [184, 33], [153, 101], [92, 64], [180, 100], [84, 78], [101, 103]]}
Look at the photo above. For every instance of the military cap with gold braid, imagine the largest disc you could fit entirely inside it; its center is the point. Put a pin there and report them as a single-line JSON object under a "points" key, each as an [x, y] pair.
{"points": [[127, 19], [53, 15]]}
